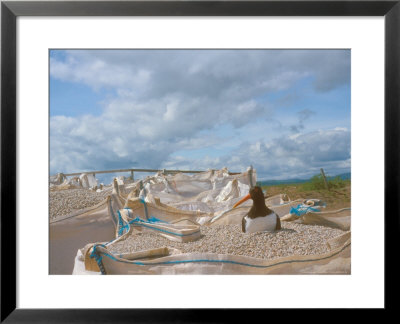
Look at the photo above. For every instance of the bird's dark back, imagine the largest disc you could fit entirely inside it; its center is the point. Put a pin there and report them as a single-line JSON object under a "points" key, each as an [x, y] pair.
{"points": [[259, 208]]}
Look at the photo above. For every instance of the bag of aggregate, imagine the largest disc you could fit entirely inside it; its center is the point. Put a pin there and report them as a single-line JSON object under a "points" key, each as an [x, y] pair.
{"points": [[57, 179], [185, 224]]}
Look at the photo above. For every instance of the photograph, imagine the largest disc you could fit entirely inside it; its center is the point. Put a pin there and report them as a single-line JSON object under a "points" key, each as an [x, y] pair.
{"points": [[253, 141], [199, 161]]}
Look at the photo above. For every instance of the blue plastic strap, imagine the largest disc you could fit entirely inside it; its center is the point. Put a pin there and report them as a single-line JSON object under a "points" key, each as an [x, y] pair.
{"points": [[98, 258], [222, 261], [153, 219], [145, 208], [303, 209]]}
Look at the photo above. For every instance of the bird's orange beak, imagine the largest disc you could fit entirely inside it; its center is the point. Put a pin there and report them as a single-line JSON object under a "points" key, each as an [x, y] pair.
{"points": [[241, 201]]}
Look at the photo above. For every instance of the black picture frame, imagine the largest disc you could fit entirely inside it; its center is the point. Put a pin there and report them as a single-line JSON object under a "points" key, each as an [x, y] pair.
{"points": [[10, 10]]}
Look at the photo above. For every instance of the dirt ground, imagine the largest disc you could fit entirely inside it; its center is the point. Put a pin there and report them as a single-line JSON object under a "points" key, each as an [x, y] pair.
{"points": [[334, 198]]}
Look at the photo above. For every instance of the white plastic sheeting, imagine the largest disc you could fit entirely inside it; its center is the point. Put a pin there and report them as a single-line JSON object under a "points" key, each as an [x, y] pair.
{"points": [[181, 203], [88, 180], [209, 192], [85, 181]]}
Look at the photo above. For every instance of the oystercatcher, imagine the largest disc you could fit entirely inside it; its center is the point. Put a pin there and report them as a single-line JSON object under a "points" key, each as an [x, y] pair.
{"points": [[260, 217]]}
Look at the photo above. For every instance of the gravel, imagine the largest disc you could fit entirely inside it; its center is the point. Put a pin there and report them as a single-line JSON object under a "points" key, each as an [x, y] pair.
{"points": [[64, 202], [292, 239]]}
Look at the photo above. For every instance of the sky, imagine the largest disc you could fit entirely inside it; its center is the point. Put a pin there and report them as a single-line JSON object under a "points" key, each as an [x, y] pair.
{"points": [[285, 112]]}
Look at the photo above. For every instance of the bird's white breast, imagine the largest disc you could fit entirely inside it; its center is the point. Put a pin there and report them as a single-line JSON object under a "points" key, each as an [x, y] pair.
{"points": [[260, 224]]}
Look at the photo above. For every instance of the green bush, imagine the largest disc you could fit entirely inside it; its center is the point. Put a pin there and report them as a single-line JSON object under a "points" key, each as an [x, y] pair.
{"points": [[337, 182], [317, 183]]}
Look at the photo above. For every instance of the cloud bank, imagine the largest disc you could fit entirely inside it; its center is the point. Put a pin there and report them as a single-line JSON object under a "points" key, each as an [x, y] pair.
{"points": [[196, 109]]}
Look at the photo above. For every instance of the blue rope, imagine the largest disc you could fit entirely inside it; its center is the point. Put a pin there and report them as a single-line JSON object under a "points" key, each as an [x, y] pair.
{"points": [[303, 209], [145, 208], [121, 225], [153, 219], [98, 258], [140, 222], [223, 261]]}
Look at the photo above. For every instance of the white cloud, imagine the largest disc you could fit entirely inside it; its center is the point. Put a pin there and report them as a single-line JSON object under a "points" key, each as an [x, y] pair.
{"points": [[237, 73], [168, 101], [296, 156]]}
